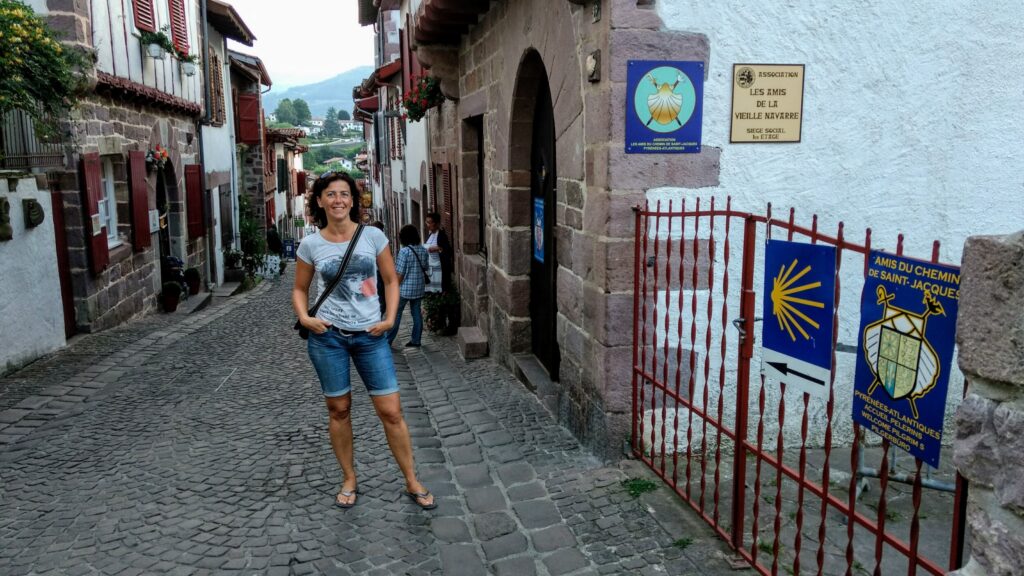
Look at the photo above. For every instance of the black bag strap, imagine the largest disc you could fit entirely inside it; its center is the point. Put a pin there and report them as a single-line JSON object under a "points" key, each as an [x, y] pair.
{"points": [[337, 278], [426, 272]]}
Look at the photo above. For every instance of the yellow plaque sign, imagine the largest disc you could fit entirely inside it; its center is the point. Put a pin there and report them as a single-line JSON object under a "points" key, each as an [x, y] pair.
{"points": [[767, 103]]}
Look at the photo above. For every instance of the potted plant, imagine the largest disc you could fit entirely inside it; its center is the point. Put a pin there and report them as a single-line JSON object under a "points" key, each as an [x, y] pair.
{"points": [[157, 43], [232, 259], [193, 279], [188, 62], [424, 94], [441, 311], [170, 296]]}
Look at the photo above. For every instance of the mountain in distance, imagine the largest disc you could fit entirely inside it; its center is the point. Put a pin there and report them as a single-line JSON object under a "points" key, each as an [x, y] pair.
{"points": [[336, 91]]}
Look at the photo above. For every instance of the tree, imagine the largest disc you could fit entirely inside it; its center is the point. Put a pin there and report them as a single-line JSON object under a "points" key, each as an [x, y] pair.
{"points": [[302, 114], [344, 115], [285, 112], [40, 76], [331, 128]]}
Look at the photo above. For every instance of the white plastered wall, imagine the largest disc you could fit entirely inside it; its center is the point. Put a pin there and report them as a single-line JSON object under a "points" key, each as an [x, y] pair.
{"points": [[31, 312], [910, 124]]}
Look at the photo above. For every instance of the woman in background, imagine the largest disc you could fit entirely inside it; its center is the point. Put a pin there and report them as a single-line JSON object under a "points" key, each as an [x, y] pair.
{"points": [[412, 270]]}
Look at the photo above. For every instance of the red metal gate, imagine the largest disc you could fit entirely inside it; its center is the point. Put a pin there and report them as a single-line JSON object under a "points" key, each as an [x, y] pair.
{"points": [[780, 495]]}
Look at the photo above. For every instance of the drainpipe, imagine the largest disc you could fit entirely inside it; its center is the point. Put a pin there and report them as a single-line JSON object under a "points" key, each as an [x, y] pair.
{"points": [[211, 263]]}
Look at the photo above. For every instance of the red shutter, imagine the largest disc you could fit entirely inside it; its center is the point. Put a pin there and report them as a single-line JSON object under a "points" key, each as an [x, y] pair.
{"points": [[194, 199], [92, 185], [144, 19], [249, 118], [179, 24], [300, 183], [432, 192], [140, 200], [446, 215]]}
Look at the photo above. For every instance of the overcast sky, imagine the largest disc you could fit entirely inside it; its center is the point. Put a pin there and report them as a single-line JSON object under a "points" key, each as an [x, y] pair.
{"points": [[305, 41]]}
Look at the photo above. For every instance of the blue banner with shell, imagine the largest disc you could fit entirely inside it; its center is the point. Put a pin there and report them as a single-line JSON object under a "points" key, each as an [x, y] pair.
{"points": [[664, 106], [907, 333]]}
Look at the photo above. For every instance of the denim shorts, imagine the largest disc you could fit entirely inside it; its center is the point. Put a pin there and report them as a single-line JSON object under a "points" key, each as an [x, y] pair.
{"points": [[332, 352]]}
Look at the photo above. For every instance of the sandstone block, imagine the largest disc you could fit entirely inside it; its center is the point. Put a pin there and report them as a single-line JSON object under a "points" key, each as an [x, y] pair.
{"points": [[990, 322], [472, 342], [975, 451]]}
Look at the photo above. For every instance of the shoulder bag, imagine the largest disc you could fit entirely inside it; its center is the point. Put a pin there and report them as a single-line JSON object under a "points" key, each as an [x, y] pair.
{"points": [[303, 331]]}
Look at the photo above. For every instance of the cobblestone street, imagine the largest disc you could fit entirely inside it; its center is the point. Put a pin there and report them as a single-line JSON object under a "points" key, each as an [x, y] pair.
{"points": [[197, 444]]}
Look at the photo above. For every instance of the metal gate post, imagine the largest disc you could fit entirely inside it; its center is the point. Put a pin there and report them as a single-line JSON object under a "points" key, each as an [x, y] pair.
{"points": [[739, 476], [634, 440]]}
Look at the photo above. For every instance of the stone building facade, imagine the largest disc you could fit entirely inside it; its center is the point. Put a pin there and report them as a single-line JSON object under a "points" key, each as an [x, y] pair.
{"points": [[126, 288], [534, 128], [124, 208]]}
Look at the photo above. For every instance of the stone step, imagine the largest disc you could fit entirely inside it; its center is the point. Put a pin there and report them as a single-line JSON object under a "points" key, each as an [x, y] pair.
{"points": [[472, 342]]}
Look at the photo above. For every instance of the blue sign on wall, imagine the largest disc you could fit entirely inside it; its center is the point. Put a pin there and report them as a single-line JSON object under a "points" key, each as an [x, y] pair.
{"points": [[799, 305], [289, 248], [664, 106], [538, 229], [907, 331]]}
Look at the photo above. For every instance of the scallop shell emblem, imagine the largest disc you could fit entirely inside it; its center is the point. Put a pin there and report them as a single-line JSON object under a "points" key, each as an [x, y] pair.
{"points": [[34, 214], [664, 105]]}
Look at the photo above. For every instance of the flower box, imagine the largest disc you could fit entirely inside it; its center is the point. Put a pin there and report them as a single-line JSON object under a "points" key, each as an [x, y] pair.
{"points": [[155, 51]]}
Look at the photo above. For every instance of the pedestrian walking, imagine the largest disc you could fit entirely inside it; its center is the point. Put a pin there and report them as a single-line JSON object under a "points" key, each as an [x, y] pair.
{"points": [[412, 269], [348, 327]]}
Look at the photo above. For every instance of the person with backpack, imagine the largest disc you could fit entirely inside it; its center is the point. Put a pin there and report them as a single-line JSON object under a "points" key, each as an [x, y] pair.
{"points": [[413, 276]]}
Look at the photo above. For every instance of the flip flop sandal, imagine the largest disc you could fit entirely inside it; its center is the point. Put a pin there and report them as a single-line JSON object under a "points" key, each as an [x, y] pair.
{"points": [[346, 495], [417, 496]]}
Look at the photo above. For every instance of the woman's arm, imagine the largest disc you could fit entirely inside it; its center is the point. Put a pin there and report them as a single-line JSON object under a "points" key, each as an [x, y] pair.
{"points": [[386, 266], [300, 298]]}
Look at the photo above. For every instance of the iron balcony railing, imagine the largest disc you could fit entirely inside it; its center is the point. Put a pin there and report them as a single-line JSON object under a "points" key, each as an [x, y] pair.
{"points": [[22, 149]]}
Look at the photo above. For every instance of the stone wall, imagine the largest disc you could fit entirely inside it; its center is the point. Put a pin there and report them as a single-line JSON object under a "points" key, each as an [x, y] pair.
{"points": [[130, 284], [989, 446], [596, 187]]}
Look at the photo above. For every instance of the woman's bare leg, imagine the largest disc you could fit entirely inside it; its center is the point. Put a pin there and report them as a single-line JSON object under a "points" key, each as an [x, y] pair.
{"points": [[339, 428], [389, 410]]}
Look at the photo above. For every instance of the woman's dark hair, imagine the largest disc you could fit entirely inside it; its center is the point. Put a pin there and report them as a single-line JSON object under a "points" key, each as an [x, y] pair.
{"points": [[319, 185], [435, 217], [409, 235]]}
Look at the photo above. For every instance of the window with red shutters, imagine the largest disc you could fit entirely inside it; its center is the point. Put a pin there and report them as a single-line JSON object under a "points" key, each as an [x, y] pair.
{"points": [[144, 17], [249, 118], [194, 199], [139, 200], [179, 24], [92, 188]]}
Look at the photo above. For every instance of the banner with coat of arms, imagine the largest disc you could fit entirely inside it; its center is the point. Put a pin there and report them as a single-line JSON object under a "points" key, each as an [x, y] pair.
{"points": [[907, 333]]}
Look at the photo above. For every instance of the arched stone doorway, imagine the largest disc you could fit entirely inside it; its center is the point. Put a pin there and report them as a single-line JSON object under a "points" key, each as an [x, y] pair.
{"points": [[169, 208], [532, 160]]}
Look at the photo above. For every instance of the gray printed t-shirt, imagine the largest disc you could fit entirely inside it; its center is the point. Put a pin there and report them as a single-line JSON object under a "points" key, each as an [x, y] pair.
{"points": [[353, 304]]}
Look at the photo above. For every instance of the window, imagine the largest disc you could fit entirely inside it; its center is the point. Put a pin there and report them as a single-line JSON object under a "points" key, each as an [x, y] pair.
{"points": [[108, 203]]}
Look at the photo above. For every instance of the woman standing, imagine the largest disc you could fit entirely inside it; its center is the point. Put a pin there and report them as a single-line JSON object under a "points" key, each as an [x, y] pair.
{"points": [[348, 328], [440, 250], [412, 276]]}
